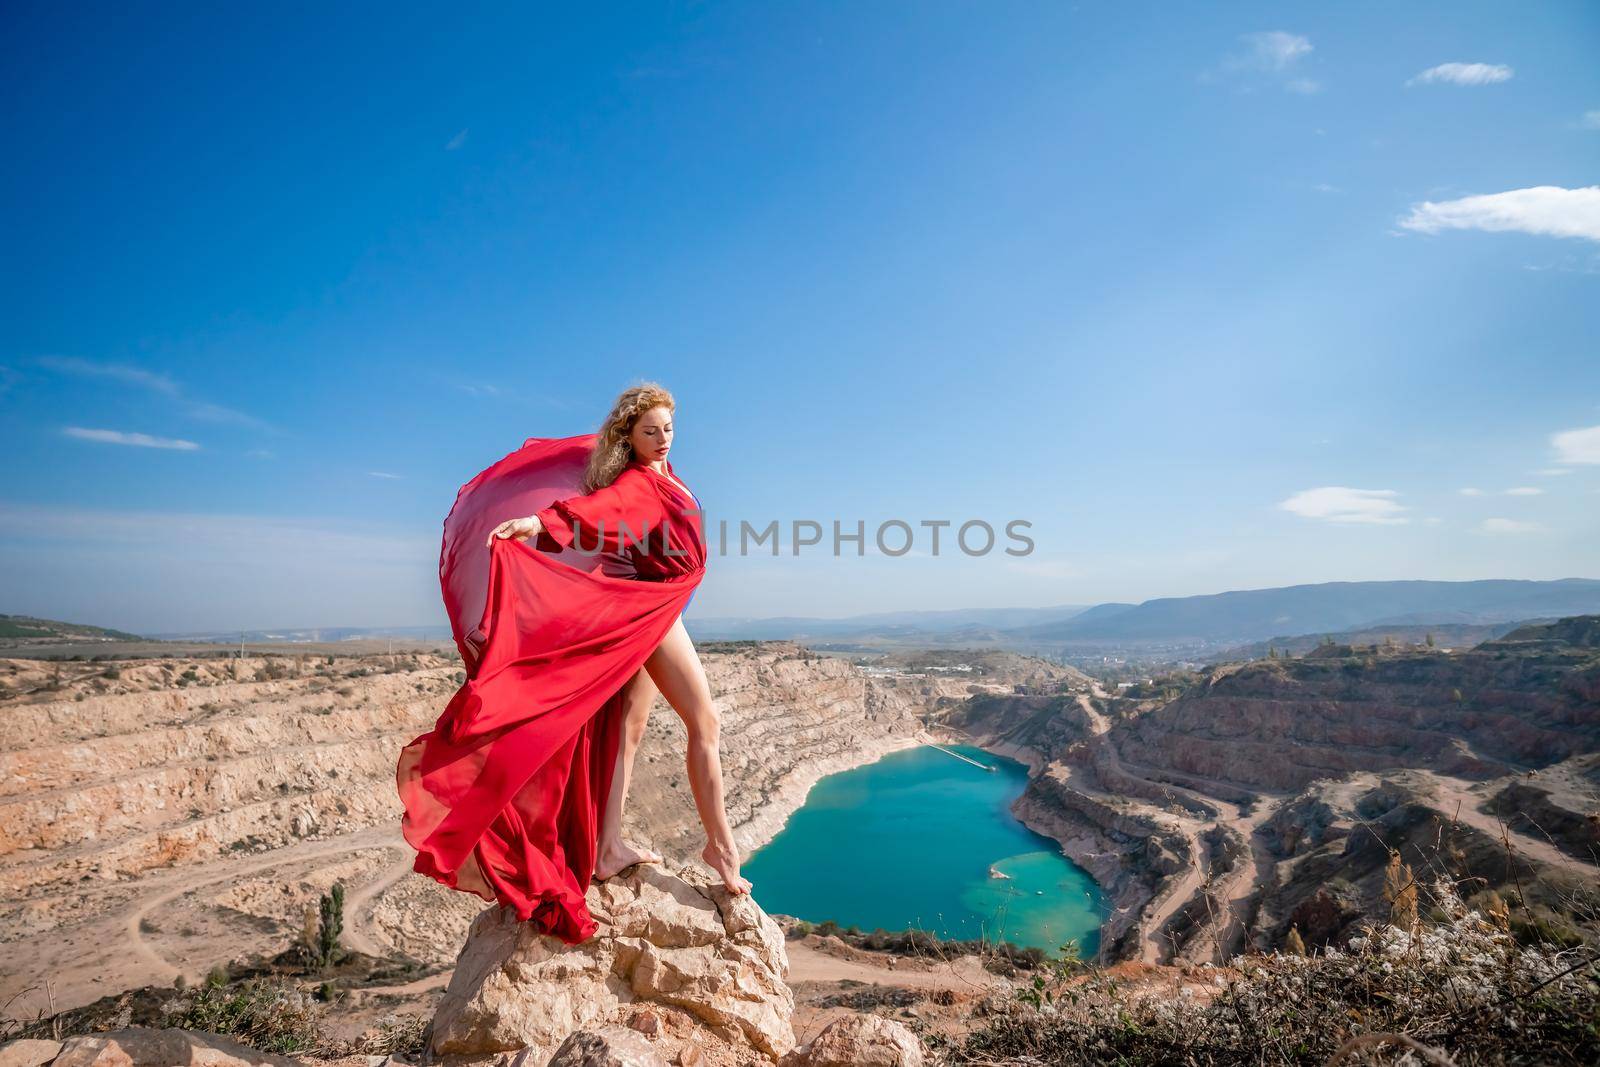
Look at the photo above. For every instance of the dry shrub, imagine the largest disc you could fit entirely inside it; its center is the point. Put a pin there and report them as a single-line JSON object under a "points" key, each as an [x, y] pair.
{"points": [[1463, 987], [262, 1014]]}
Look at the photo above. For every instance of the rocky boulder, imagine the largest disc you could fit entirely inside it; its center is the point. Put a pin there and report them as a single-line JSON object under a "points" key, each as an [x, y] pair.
{"points": [[612, 1046], [676, 959], [859, 1041], [138, 1046]]}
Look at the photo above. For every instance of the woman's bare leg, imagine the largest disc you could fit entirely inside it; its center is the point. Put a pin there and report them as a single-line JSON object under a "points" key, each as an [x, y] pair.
{"points": [[675, 668], [613, 852]]}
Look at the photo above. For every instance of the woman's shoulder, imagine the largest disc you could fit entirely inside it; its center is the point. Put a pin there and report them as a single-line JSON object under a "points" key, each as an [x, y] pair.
{"points": [[632, 475], [626, 478]]}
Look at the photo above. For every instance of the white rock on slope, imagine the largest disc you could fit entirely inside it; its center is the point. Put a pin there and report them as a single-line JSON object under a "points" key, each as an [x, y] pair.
{"points": [[859, 1041], [138, 1046], [670, 945]]}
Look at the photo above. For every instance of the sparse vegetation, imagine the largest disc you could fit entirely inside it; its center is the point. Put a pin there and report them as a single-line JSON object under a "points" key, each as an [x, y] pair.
{"points": [[261, 1013], [1462, 987], [331, 925], [1003, 957], [1400, 890], [1161, 687]]}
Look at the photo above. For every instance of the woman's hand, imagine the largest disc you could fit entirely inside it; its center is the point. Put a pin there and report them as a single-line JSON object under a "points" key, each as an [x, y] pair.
{"points": [[520, 529]]}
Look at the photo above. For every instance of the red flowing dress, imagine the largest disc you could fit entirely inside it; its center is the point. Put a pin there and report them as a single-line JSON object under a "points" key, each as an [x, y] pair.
{"points": [[504, 796]]}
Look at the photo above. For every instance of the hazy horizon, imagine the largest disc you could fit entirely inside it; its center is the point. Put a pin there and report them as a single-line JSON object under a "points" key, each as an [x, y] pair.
{"points": [[443, 627]]}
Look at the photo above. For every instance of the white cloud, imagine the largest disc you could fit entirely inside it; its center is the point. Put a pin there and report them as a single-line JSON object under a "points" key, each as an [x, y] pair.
{"points": [[1552, 472], [1470, 492], [1590, 120], [383, 474], [209, 412], [1524, 490], [1547, 210], [1463, 74], [118, 437], [1276, 54], [120, 372], [1336, 503], [1272, 50], [456, 142], [1577, 446], [1508, 526], [147, 379]]}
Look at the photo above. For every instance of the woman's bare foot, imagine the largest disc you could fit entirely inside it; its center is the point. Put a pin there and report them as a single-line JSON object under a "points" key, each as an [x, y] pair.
{"points": [[725, 861], [614, 859]]}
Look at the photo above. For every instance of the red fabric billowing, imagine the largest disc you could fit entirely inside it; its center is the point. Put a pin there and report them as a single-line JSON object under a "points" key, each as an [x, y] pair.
{"points": [[504, 796]]}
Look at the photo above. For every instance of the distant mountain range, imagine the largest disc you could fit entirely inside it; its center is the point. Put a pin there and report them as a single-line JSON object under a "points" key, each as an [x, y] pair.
{"points": [[1256, 614], [880, 624], [1218, 619], [26, 629], [312, 634], [1172, 625]]}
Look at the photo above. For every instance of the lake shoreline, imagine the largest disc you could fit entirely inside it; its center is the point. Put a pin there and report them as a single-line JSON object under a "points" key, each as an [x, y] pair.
{"points": [[791, 792], [1029, 883], [1080, 841]]}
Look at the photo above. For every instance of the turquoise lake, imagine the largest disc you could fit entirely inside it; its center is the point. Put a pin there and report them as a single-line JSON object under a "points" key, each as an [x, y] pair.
{"points": [[909, 841]]}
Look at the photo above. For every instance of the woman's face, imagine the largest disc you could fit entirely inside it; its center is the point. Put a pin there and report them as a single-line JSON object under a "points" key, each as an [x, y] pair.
{"points": [[652, 435]]}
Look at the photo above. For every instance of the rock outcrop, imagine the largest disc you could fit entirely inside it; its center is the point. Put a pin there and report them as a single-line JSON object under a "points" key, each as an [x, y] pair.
{"points": [[1218, 818], [216, 798], [1124, 845], [1281, 724], [677, 960], [610, 1046], [138, 1046], [859, 1041]]}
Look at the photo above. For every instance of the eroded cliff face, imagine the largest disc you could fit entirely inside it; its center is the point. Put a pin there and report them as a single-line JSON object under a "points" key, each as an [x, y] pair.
{"points": [[1335, 841], [789, 717], [1038, 727], [1280, 724], [1128, 847], [1272, 794], [157, 817], [246, 758]]}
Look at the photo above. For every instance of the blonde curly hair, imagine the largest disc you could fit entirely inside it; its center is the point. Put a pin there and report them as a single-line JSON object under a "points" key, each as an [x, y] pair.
{"points": [[612, 451]]}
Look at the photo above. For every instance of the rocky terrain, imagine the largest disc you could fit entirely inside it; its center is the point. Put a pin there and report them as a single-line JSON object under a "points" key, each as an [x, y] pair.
{"points": [[164, 816], [161, 816], [1269, 795]]}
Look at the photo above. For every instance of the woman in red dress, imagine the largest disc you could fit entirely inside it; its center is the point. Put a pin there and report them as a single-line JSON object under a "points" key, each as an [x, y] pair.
{"points": [[517, 793]]}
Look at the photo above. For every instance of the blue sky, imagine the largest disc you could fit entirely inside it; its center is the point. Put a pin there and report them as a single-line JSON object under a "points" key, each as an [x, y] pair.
{"points": [[1214, 296]]}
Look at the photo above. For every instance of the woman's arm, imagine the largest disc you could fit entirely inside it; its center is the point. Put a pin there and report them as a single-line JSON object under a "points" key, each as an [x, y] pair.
{"points": [[607, 520]]}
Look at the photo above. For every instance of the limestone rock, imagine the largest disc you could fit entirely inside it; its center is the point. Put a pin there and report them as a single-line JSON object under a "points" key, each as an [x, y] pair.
{"points": [[28, 1052], [860, 1041], [139, 1046], [611, 1046], [709, 967]]}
